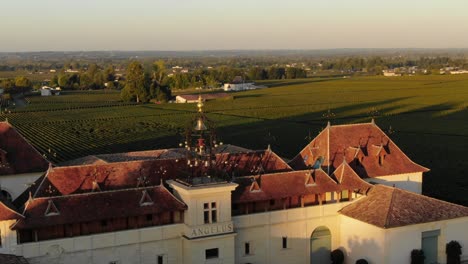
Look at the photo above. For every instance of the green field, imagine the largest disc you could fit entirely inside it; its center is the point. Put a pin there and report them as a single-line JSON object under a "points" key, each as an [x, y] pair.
{"points": [[427, 116]]}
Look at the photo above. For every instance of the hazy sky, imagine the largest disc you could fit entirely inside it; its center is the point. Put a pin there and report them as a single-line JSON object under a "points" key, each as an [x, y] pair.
{"points": [[32, 25]]}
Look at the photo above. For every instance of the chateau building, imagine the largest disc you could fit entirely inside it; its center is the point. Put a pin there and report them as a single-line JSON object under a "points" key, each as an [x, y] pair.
{"points": [[350, 188]]}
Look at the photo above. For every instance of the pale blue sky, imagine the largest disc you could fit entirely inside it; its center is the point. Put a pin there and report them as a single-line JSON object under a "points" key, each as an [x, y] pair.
{"points": [[32, 25]]}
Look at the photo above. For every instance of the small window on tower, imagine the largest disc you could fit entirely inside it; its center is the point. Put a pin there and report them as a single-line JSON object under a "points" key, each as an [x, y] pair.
{"points": [[211, 253], [214, 215], [160, 259], [247, 248], [285, 242]]}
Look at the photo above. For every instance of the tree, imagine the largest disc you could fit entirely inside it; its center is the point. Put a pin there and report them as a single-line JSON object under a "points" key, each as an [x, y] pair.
{"points": [[337, 256], [136, 87], [159, 71], [22, 83], [85, 81], [109, 74], [453, 251], [7, 85]]}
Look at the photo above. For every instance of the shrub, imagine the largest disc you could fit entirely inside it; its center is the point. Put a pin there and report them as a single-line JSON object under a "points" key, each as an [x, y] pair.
{"points": [[417, 256], [453, 251], [337, 256], [362, 261]]}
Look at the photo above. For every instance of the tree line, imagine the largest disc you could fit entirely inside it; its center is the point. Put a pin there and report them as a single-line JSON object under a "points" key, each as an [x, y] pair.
{"points": [[19, 84]]}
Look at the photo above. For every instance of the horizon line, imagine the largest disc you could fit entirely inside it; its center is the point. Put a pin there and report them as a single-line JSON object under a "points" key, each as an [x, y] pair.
{"points": [[233, 50]]}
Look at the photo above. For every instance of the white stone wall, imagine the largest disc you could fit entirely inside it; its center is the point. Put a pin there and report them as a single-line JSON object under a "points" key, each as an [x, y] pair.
{"points": [[264, 232], [361, 240], [394, 245], [16, 184], [411, 181], [7, 237], [194, 250], [139, 246]]}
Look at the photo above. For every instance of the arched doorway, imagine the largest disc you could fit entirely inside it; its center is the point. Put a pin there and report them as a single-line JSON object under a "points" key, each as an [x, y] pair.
{"points": [[320, 245]]}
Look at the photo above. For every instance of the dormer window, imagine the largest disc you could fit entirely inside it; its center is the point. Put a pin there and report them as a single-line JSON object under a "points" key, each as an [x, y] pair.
{"points": [[310, 180], [51, 209], [254, 187], [381, 159], [318, 163], [145, 199]]}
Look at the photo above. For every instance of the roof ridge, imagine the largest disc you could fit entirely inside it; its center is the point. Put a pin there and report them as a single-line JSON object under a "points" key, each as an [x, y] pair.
{"points": [[428, 197], [275, 173], [112, 163], [11, 209], [304, 148], [387, 217], [355, 124], [278, 157], [100, 192], [398, 148]]}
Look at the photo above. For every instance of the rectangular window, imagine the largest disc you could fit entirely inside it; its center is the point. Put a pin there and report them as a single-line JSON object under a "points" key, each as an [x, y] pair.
{"points": [[210, 214], [345, 195], [211, 253], [214, 217], [160, 259], [206, 217], [285, 242], [247, 248], [104, 223]]}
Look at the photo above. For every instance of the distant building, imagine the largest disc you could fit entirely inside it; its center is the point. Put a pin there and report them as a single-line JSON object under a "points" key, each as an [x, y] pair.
{"points": [[390, 73], [459, 72], [193, 98], [239, 84], [49, 91]]}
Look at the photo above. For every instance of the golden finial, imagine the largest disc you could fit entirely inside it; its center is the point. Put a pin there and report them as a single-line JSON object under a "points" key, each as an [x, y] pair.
{"points": [[200, 104]]}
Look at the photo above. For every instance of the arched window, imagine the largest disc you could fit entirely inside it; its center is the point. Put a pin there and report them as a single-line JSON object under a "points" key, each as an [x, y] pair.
{"points": [[320, 245]]}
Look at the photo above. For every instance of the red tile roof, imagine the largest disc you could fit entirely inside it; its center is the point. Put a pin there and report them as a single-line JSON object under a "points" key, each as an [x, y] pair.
{"points": [[114, 176], [348, 179], [173, 153], [358, 141], [21, 156], [297, 183], [251, 163], [8, 211], [118, 175], [97, 206], [388, 207]]}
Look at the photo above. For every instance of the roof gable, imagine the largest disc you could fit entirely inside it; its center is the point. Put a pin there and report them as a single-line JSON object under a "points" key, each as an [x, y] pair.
{"points": [[21, 156], [362, 146], [388, 207]]}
